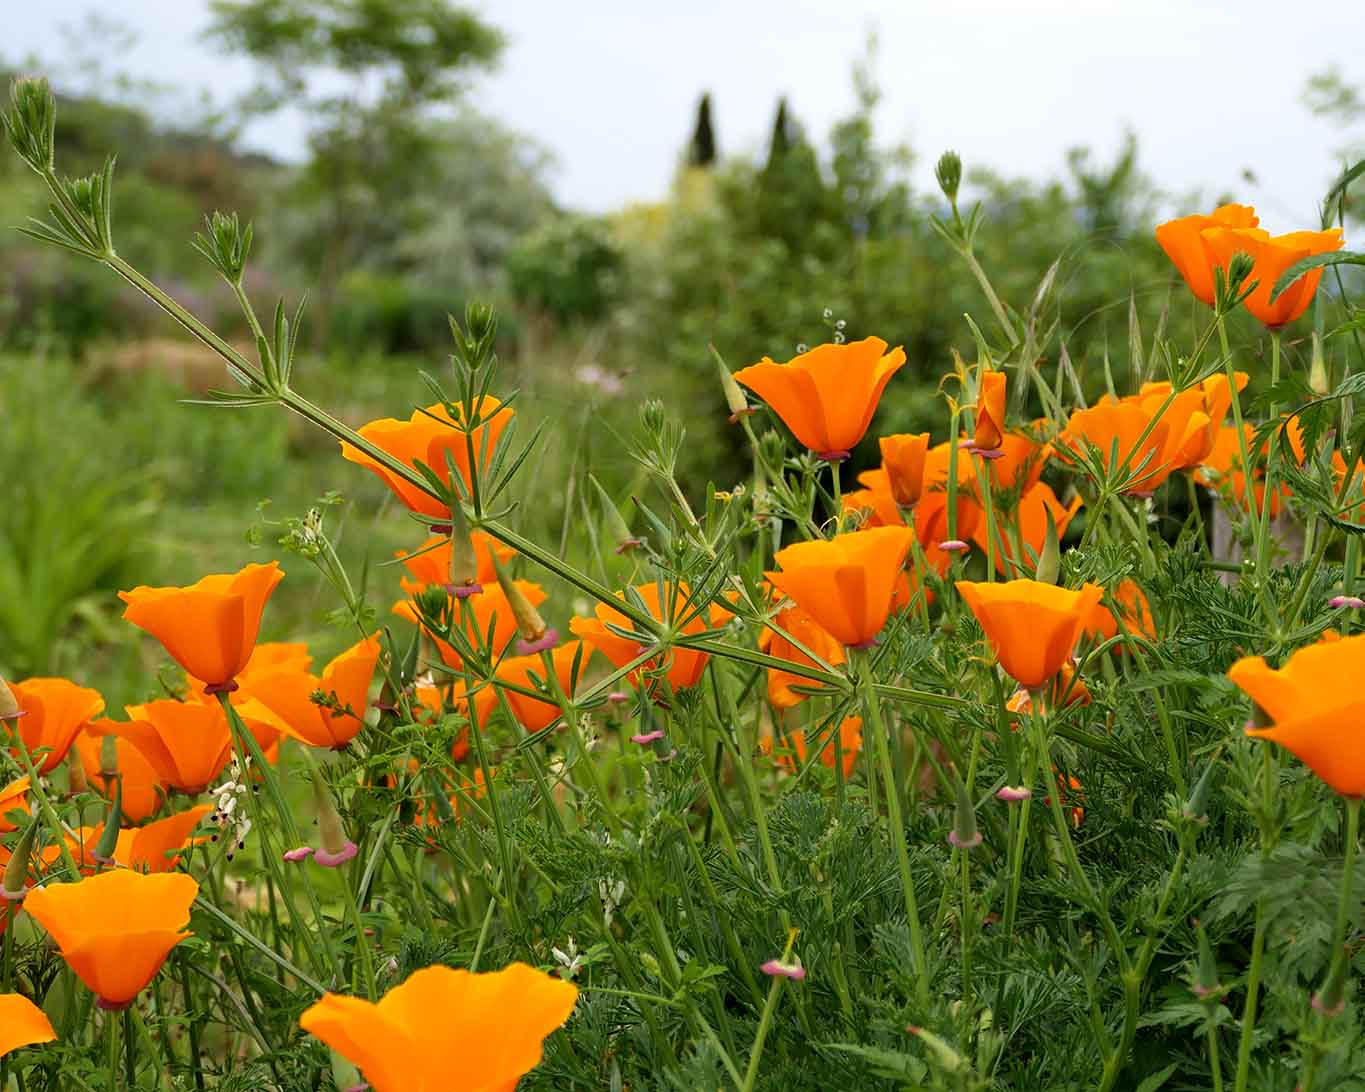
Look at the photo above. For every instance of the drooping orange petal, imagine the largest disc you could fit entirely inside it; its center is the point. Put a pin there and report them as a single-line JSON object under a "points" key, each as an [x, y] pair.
{"points": [[54, 712], [22, 1023]]}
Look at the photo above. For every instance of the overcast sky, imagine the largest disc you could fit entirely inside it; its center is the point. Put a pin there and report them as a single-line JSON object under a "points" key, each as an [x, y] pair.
{"points": [[1212, 87]]}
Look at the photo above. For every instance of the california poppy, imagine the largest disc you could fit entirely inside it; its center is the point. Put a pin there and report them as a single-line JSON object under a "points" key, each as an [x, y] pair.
{"points": [[445, 1029], [1183, 242], [1128, 604], [1119, 430], [156, 847], [1273, 255], [479, 615], [1062, 687], [186, 743], [990, 412], [426, 437], [143, 788], [1312, 713], [116, 929], [1020, 462], [53, 712], [345, 684], [13, 797], [429, 564], [846, 583], [268, 658], [22, 1023], [792, 756], [826, 396], [210, 627], [1030, 521], [532, 714], [683, 666], [1032, 626], [809, 632], [903, 457]]}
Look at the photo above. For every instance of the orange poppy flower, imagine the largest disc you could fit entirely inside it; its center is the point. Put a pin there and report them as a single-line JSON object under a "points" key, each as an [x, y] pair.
{"points": [[1020, 462], [684, 666], [1021, 701], [268, 658], [1184, 244], [532, 714], [22, 1023], [1190, 433], [430, 563], [1273, 255], [186, 743], [1030, 520], [150, 848], [52, 714], [13, 797], [346, 684], [791, 756], [846, 584], [1115, 428], [143, 790], [475, 614], [426, 437], [903, 458], [990, 412], [1221, 469], [826, 396], [449, 1030], [809, 632], [1312, 713], [1031, 626], [210, 627], [115, 929], [1128, 604]]}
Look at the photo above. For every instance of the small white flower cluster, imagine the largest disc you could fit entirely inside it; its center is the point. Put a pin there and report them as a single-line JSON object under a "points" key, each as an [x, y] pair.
{"points": [[228, 814], [571, 959], [612, 894]]}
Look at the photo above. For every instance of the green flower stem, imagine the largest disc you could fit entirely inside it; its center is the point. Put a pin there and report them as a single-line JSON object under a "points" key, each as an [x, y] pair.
{"points": [[872, 703], [111, 1066], [1215, 1059], [1248, 1034]]}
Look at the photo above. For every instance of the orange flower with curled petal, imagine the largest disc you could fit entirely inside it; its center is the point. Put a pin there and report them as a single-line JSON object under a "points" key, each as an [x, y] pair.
{"points": [[1221, 469], [1032, 626], [1020, 462], [1189, 429], [1030, 521], [186, 743], [430, 563], [22, 1023], [684, 666], [532, 714], [990, 413], [1127, 604], [1184, 244], [445, 1030], [13, 797], [931, 526], [847, 583], [1273, 255], [345, 684], [791, 755], [52, 714], [156, 847], [1117, 430], [807, 630], [903, 458], [1313, 709], [426, 437], [143, 789], [475, 614], [210, 627], [826, 396], [116, 929], [1063, 687]]}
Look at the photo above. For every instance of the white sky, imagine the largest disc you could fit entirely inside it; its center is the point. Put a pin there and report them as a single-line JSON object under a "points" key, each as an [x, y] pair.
{"points": [[610, 86]]}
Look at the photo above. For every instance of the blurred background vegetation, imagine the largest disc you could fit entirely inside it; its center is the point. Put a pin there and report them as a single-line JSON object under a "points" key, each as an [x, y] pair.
{"points": [[409, 204]]}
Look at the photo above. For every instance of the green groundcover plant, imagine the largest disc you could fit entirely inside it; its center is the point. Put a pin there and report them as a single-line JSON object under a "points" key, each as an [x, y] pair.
{"points": [[1031, 759]]}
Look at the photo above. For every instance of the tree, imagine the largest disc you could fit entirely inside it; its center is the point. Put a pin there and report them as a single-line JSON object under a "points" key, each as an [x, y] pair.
{"points": [[375, 134], [702, 150]]}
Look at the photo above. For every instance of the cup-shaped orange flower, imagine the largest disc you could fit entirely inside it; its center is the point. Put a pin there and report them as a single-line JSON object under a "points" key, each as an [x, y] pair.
{"points": [[186, 743], [847, 583], [903, 458], [1183, 242], [268, 658], [426, 437], [1127, 604], [157, 846], [485, 612], [684, 666], [826, 396], [143, 789], [52, 713], [116, 929], [1274, 255], [1031, 626], [1036, 507], [990, 413], [345, 686], [1314, 711], [792, 756], [210, 627], [533, 714], [1020, 462], [22, 1023], [13, 798], [809, 632], [445, 1030], [1119, 430]]}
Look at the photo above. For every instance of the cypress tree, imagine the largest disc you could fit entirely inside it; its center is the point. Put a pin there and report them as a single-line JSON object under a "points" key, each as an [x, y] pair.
{"points": [[702, 151]]}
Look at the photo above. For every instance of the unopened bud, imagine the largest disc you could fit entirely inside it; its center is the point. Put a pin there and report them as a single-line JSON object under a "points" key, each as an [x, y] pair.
{"points": [[535, 634], [1050, 560], [949, 174], [1206, 985], [964, 834], [336, 849], [734, 394], [14, 884], [108, 843], [75, 775], [1229, 289], [464, 562], [9, 704], [32, 122], [1317, 369]]}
